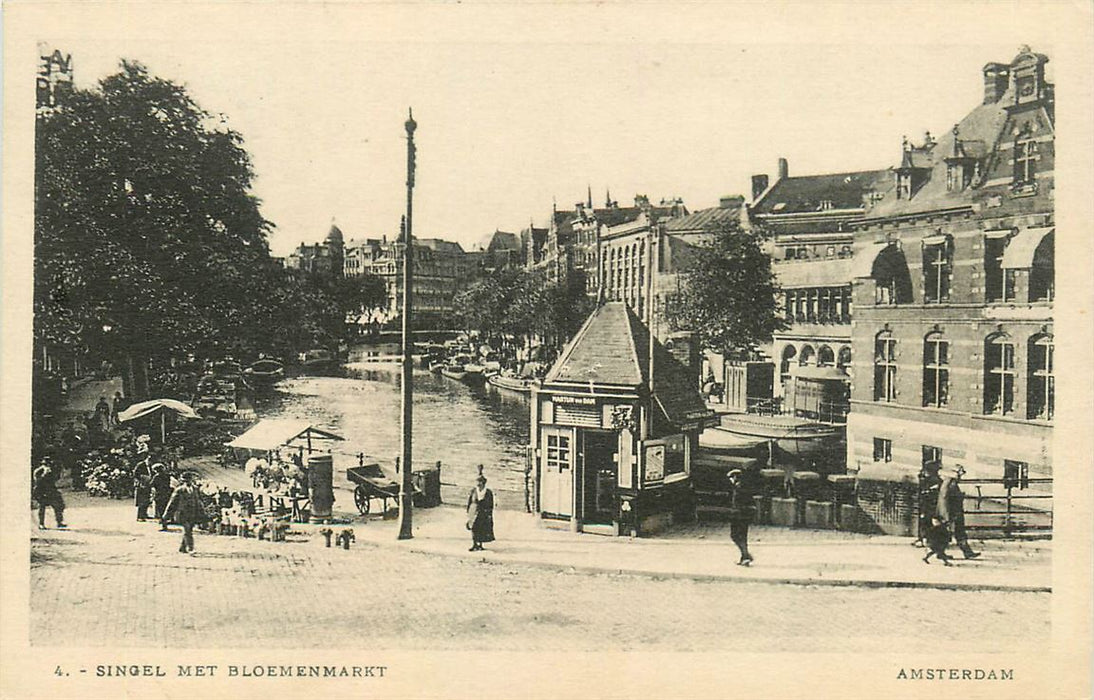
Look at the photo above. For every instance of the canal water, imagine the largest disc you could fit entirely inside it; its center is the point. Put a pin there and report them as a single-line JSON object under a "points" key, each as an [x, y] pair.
{"points": [[458, 425]]}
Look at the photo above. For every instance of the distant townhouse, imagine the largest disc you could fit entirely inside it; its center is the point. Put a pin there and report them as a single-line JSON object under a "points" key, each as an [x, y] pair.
{"points": [[441, 270], [326, 258], [953, 294]]}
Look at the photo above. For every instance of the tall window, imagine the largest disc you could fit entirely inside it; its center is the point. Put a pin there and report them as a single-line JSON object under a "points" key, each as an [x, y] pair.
{"points": [[1041, 381], [825, 356], [885, 367], [937, 270], [1025, 160], [936, 371], [999, 375], [998, 281]]}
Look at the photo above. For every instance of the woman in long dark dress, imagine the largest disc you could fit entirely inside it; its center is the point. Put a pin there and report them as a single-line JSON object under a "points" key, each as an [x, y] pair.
{"points": [[480, 514]]}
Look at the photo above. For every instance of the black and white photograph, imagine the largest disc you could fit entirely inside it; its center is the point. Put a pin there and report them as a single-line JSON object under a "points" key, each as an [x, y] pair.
{"points": [[476, 350]]}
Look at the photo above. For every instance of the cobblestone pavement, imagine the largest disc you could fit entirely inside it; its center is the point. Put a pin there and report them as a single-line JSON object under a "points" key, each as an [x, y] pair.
{"points": [[110, 581]]}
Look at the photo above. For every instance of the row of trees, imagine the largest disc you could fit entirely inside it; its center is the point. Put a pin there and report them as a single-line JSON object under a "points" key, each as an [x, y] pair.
{"points": [[728, 296], [149, 243], [525, 306]]}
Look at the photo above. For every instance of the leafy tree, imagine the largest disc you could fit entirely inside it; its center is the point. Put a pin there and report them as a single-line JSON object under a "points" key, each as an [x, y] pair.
{"points": [[729, 295], [148, 242]]}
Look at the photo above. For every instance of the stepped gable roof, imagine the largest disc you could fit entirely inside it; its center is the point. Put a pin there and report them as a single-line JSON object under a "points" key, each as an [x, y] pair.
{"points": [[806, 193], [704, 219], [612, 348]]}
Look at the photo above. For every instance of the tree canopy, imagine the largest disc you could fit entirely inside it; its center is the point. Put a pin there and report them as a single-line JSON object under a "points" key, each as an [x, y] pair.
{"points": [[729, 295], [149, 242]]}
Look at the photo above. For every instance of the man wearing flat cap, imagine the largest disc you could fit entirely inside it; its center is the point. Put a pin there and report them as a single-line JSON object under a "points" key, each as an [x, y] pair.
{"points": [[951, 507]]}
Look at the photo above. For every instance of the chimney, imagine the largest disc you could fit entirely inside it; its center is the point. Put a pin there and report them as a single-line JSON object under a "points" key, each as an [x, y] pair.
{"points": [[996, 79], [731, 201], [759, 186], [683, 346], [784, 169]]}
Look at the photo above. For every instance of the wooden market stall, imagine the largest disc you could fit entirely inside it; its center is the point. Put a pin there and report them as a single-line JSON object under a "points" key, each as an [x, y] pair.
{"points": [[614, 428]]}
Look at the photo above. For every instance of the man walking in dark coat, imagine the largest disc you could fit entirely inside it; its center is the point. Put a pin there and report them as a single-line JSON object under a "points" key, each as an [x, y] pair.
{"points": [[45, 491], [185, 509], [951, 508], [742, 509]]}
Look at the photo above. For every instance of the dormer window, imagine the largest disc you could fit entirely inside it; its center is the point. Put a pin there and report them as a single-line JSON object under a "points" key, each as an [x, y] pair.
{"points": [[904, 185], [826, 204], [958, 176]]}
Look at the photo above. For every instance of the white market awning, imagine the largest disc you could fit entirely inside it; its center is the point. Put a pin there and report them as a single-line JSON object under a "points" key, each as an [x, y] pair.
{"points": [[862, 265], [270, 434], [1020, 249]]}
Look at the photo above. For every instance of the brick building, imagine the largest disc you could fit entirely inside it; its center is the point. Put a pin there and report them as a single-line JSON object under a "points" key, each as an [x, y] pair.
{"points": [[953, 294]]}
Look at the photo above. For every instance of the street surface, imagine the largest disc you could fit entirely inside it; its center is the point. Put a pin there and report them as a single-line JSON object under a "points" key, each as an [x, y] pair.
{"points": [[113, 582]]}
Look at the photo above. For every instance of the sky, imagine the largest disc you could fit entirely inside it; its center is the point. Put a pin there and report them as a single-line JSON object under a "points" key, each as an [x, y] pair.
{"points": [[520, 108]]}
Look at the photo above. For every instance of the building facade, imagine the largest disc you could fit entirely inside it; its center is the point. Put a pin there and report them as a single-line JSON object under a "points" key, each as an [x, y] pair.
{"points": [[806, 224], [441, 271], [953, 294], [326, 258]]}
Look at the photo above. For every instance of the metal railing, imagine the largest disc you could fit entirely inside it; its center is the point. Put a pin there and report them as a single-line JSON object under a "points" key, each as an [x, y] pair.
{"points": [[834, 412], [1007, 506]]}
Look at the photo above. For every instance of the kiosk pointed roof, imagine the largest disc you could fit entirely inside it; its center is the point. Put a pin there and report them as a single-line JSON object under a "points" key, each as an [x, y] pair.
{"points": [[612, 349]]}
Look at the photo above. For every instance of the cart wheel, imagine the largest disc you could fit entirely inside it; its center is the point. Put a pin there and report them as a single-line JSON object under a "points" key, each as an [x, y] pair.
{"points": [[361, 499]]}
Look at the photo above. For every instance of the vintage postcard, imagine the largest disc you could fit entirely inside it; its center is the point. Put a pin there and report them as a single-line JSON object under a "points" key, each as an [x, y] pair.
{"points": [[477, 350]]}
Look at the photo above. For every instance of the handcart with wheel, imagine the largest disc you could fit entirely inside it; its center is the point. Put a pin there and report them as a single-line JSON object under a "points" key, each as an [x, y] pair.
{"points": [[371, 482]]}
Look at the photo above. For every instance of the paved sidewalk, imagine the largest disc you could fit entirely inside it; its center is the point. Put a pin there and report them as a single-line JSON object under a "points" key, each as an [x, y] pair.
{"points": [[705, 552]]}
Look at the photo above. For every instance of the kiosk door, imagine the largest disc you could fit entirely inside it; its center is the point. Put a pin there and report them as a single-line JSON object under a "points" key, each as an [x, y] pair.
{"points": [[557, 476], [600, 474]]}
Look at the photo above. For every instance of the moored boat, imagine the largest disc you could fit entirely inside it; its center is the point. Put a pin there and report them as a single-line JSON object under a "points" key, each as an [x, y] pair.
{"points": [[317, 360], [264, 373], [509, 382]]}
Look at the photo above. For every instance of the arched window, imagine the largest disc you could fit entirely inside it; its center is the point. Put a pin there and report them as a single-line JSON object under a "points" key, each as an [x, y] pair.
{"points": [[894, 283], [999, 375], [885, 367], [936, 370], [843, 360], [807, 356], [1041, 379], [1042, 274], [788, 357], [825, 356]]}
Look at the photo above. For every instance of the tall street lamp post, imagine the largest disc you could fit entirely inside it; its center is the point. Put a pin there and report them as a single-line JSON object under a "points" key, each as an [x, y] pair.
{"points": [[406, 463]]}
